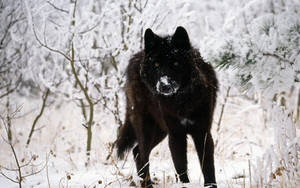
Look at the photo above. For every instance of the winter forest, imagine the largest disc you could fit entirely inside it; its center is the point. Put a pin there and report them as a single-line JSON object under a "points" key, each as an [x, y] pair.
{"points": [[62, 101]]}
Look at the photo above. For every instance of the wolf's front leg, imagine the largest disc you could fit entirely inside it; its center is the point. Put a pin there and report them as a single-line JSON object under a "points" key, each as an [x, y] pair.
{"points": [[205, 149], [178, 145]]}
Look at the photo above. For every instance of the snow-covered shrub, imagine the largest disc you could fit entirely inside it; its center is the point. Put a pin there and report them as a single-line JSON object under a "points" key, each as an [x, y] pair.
{"points": [[13, 49], [259, 46], [279, 165], [258, 49]]}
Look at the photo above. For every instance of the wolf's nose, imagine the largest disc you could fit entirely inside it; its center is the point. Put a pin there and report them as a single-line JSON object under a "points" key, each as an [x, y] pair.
{"points": [[165, 88]]}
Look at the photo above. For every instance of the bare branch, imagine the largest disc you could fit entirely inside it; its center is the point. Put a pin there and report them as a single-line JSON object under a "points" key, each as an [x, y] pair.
{"points": [[49, 48], [8, 169], [18, 165], [21, 177], [40, 128], [6, 85], [145, 3], [9, 91], [8, 177], [139, 9], [47, 172], [15, 157], [38, 116], [222, 109], [55, 7], [34, 173], [114, 113], [278, 57], [84, 125], [39, 41], [10, 24], [87, 97], [92, 28], [83, 109]]}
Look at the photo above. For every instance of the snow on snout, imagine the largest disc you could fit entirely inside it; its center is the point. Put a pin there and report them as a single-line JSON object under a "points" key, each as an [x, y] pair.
{"points": [[165, 81]]}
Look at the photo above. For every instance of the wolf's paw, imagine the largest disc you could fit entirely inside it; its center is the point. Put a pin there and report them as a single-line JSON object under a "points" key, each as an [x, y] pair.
{"points": [[147, 184], [210, 185]]}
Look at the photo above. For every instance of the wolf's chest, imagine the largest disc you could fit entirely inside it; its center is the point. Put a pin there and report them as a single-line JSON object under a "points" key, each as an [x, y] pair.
{"points": [[186, 122]]}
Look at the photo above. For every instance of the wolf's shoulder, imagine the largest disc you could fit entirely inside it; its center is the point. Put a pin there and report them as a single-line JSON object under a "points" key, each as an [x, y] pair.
{"points": [[206, 68]]}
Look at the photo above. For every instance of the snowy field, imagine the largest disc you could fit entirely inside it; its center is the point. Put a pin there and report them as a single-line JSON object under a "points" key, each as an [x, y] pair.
{"points": [[60, 141]]}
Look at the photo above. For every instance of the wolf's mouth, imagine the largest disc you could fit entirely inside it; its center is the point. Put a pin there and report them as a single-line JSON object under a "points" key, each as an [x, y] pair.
{"points": [[166, 86]]}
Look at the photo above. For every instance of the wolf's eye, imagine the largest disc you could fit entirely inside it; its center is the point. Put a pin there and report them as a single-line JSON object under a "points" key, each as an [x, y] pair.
{"points": [[156, 64], [176, 63]]}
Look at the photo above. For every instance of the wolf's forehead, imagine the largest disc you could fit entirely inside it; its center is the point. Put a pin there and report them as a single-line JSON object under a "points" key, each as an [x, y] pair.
{"points": [[168, 49], [169, 39], [166, 42]]}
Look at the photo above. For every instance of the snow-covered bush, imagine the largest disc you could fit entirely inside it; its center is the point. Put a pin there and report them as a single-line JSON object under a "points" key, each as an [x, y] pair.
{"points": [[259, 46], [13, 49], [258, 51], [279, 165]]}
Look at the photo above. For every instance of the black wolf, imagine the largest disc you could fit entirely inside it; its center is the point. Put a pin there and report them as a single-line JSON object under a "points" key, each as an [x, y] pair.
{"points": [[170, 91]]}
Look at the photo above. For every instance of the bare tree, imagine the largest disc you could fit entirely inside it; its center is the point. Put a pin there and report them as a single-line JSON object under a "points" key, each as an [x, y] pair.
{"points": [[78, 82]]}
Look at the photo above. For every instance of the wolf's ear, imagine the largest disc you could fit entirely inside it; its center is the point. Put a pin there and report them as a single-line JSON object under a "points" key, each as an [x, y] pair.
{"points": [[181, 39], [150, 40]]}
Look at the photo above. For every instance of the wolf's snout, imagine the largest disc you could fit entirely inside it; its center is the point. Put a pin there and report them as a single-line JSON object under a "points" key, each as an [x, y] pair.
{"points": [[166, 86]]}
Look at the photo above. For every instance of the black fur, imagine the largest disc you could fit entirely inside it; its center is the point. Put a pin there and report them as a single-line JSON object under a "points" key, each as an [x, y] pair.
{"points": [[170, 91]]}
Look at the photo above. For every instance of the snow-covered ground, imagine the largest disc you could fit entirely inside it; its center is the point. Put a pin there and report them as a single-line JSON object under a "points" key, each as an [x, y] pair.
{"points": [[61, 141]]}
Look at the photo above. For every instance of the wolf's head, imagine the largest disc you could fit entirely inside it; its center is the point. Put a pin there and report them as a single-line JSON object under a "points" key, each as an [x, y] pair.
{"points": [[166, 67]]}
